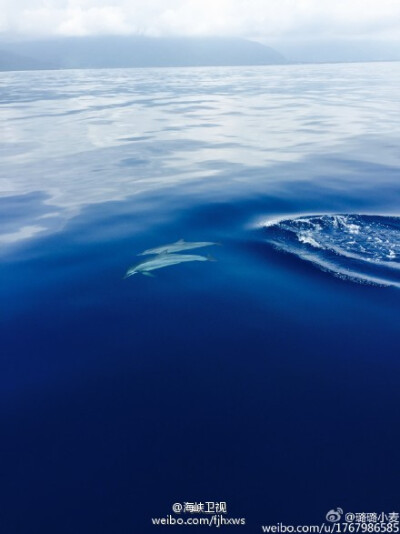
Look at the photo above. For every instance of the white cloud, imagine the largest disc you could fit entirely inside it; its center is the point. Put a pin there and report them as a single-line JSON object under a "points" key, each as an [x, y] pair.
{"points": [[107, 19], [262, 19]]}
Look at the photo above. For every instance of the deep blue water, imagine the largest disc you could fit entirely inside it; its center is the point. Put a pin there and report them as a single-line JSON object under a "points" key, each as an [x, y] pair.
{"points": [[269, 378]]}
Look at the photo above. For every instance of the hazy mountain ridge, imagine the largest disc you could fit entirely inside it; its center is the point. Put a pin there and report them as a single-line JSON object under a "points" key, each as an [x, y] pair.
{"points": [[120, 52], [11, 61]]}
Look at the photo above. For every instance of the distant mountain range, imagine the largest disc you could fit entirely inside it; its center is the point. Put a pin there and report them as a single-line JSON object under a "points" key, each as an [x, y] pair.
{"points": [[137, 51], [12, 61]]}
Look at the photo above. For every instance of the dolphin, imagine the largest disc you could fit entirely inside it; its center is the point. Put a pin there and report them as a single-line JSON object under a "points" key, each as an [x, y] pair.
{"points": [[177, 247], [163, 260]]}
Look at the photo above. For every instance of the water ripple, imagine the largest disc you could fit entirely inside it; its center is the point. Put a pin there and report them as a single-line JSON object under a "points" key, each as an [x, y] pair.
{"points": [[362, 248]]}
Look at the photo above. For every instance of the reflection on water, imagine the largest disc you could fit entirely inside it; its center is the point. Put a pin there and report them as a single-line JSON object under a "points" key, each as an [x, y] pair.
{"points": [[85, 137]]}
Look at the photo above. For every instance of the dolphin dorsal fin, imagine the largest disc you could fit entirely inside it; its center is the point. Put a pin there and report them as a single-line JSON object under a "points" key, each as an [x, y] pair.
{"points": [[180, 241]]}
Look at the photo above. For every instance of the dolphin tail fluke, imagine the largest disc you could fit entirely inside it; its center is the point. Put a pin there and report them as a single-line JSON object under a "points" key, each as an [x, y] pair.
{"points": [[210, 258]]}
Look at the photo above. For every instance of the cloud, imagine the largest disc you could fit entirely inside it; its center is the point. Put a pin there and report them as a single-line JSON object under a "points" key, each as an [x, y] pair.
{"points": [[259, 19]]}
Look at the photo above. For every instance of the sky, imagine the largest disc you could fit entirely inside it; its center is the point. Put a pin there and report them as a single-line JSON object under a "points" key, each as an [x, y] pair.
{"points": [[262, 20]]}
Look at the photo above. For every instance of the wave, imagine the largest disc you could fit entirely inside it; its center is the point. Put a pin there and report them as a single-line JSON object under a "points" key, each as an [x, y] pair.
{"points": [[362, 248]]}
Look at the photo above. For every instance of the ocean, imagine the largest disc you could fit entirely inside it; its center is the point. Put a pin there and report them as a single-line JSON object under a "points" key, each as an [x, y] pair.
{"points": [[265, 375]]}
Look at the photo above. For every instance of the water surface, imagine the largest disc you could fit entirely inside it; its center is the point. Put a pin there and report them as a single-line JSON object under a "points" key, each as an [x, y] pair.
{"points": [[263, 379]]}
